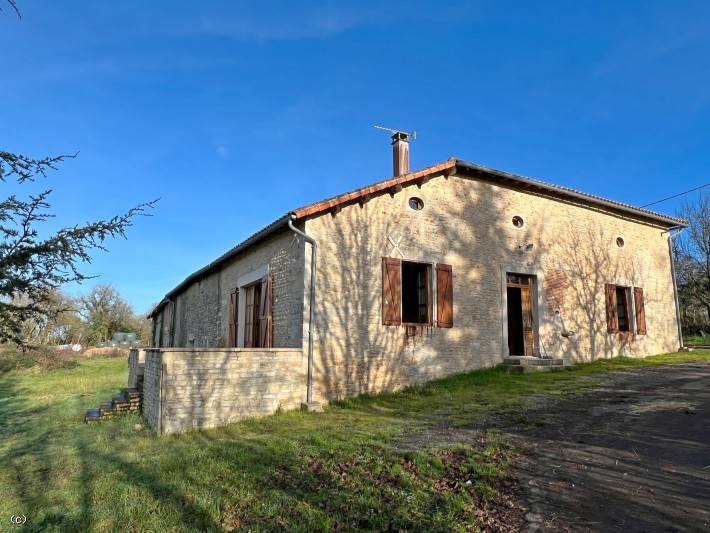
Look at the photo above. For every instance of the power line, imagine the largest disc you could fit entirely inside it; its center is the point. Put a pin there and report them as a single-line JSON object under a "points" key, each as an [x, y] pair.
{"points": [[676, 195]]}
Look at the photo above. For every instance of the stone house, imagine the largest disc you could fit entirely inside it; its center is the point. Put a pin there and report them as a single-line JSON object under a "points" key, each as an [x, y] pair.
{"points": [[447, 269]]}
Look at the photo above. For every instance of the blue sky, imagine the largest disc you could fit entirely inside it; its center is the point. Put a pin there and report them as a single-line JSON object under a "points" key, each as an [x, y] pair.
{"points": [[235, 112]]}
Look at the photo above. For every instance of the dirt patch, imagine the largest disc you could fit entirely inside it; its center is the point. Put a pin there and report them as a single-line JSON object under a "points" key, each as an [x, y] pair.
{"points": [[631, 455]]}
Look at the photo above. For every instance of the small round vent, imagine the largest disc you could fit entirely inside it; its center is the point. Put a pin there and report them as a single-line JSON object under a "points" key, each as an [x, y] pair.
{"points": [[416, 203]]}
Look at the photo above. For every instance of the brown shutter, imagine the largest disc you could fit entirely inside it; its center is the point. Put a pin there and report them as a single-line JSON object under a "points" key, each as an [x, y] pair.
{"points": [[640, 311], [444, 296], [266, 339], [233, 317], [612, 322], [391, 291]]}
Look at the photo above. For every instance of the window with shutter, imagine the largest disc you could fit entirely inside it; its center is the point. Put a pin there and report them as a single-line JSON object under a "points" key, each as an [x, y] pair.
{"points": [[621, 316], [640, 311], [623, 320], [444, 296], [407, 293]]}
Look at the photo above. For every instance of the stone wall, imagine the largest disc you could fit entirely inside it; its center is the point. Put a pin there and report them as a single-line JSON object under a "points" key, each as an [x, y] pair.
{"points": [[136, 365], [202, 309], [186, 389], [197, 323], [284, 256], [466, 222]]}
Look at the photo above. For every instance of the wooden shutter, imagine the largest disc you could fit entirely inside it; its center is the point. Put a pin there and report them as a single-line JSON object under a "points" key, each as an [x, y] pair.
{"points": [[266, 339], [612, 322], [233, 317], [391, 291], [444, 296], [640, 311]]}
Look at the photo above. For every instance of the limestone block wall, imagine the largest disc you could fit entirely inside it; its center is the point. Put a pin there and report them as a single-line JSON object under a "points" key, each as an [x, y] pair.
{"points": [[466, 222], [284, 256], [136, 364], [186, 389], [197, 322], [202, 309]]}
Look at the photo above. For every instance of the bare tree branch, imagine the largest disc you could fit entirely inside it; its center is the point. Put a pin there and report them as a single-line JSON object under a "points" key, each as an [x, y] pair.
{"points": [[33, 267], [13, 4]]}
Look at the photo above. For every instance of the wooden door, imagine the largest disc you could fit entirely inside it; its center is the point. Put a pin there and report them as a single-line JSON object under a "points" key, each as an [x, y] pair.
{"points": [[528, 336], [521, 322]]}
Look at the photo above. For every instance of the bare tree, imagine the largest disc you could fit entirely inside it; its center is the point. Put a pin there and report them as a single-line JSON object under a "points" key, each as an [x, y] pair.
{"points": [[692, 254], [105, 312], [59, 322], [13, 5]]}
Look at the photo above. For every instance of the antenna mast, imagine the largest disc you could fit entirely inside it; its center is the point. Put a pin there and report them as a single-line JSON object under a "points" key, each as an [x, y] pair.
{"points": [[412, 135]]}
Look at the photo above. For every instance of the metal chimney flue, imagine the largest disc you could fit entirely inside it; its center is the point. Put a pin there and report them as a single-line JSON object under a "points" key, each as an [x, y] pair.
{"points": [[400, 153]]}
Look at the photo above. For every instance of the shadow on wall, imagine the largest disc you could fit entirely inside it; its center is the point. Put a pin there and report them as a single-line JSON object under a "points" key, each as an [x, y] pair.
{"points": [[463, 226], [592, 260]]}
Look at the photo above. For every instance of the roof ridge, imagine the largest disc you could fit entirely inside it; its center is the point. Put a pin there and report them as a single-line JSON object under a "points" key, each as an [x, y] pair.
{"points": [[564, 189]]}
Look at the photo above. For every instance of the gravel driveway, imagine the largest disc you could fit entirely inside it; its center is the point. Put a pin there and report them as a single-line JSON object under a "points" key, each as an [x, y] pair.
{"points": [[632, 455]]}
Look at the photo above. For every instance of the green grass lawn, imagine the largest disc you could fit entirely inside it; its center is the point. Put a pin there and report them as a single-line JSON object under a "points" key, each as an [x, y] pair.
{"points": [[335, 471], [689, 340]]}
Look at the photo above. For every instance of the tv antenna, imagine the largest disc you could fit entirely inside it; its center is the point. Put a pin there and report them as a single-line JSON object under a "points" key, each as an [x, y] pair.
{"points": [[413, 134]]}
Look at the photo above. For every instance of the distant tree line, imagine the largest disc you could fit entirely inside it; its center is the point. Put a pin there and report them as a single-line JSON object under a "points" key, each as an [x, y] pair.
{"points": [[84, 319]]}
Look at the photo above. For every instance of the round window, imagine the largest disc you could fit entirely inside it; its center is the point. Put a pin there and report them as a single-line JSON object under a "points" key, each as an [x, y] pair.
{"points": [[416, 203], [620, 242], [518, 222]]}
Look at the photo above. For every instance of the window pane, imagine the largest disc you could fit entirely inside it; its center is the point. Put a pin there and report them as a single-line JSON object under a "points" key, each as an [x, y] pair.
{"points": [[415, 293]]}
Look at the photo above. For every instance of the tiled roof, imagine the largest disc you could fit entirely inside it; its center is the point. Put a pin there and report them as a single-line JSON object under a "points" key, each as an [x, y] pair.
{"points": [[328, 203], [486, 172]]}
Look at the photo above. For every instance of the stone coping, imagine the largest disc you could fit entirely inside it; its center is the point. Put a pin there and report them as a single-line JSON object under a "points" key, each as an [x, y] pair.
{"points": [[225, 350]]}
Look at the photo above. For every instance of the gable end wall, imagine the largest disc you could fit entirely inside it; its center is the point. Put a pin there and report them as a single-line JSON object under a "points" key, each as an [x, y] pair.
{"points": [[467, 223]]}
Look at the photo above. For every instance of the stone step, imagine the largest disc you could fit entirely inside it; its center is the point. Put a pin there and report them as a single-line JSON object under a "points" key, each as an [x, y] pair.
{"points": [[92, 415], [520, 360], [106, 409], [527, 369], [127, 401]]}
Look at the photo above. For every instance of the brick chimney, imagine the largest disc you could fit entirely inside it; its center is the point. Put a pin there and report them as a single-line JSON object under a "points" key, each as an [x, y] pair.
{"points": [[400, 153]]}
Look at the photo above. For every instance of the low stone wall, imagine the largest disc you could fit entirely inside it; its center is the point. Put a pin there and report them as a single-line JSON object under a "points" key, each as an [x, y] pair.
{"points": [[136, 364], [202, 388]]}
